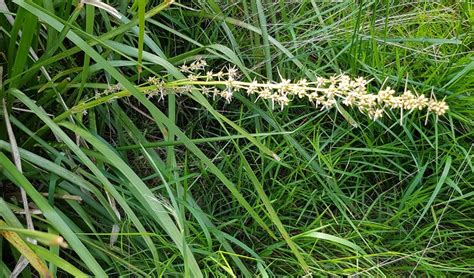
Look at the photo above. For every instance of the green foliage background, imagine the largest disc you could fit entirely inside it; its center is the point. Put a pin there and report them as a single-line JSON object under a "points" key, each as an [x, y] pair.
{"points": [[195, 181]]}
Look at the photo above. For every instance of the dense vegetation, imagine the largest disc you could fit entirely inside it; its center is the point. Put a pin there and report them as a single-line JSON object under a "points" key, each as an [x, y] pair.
{"points": [[140, 183]]}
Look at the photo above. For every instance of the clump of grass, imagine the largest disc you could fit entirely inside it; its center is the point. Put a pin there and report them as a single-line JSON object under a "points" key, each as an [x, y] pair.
{"points": [[139, 181]]}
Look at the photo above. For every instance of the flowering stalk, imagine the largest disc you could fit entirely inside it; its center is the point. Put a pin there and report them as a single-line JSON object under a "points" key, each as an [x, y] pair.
{"points": [[324, 93]]}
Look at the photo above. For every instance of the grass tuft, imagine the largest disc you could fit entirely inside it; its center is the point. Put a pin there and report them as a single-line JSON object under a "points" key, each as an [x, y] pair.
{"points": [[135, 162]]}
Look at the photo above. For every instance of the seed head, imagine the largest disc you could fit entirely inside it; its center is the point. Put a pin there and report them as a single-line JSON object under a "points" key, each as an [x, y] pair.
{"points": [[324, 92]]}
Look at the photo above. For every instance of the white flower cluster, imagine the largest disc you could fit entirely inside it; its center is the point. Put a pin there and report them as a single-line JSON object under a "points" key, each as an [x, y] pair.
{"points": [[194, 66], [159, 89], [324, 93], [109, 91]]}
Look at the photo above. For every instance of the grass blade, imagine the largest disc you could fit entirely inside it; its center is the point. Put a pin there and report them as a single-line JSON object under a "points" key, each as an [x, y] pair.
{"points": [[53, 218]]}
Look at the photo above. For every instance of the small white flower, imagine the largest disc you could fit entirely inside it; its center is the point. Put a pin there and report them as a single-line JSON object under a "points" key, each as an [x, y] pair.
{"points": [[209, 75], [283, 101], [227, 94], [320, 81], [378, 113], [205, 91], [232, 72], [265, 93], [252, 87], [184, 68], [349, 100], [192, 77], [329, 103], [219, 75]]}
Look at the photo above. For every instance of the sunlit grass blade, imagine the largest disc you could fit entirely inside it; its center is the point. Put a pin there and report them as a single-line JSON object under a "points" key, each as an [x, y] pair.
{"points": [[24, 249]]}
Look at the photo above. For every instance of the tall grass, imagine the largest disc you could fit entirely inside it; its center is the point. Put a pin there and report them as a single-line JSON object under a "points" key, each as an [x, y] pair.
{"points": [[194, 186]]}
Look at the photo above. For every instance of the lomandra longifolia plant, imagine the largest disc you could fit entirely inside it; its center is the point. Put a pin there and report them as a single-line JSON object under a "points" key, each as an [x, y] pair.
{"points": [[324, 93]]}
